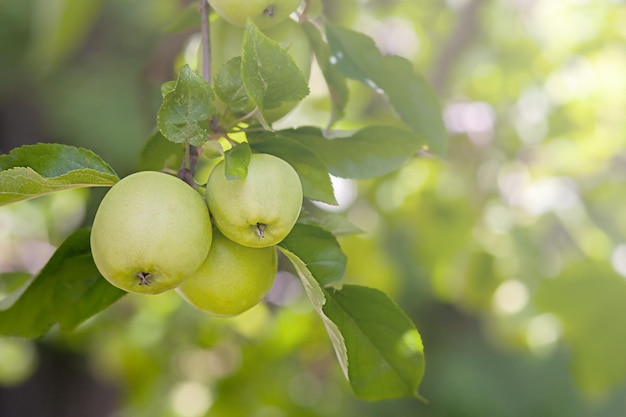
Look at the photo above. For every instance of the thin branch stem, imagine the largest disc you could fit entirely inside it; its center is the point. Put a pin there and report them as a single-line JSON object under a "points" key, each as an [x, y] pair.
{"points": [[190, 158], [243, 118], [206, 40], [466, 29], [185, 173]]}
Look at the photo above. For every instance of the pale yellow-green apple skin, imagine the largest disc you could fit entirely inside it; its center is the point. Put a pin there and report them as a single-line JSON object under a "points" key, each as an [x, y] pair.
{"points": [[232, 279], [227, 42], [260, 210], [150, 232], [264, 13]]}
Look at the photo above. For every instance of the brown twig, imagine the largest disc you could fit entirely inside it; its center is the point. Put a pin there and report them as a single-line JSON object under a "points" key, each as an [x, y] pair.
{"points": [[462, 35]]}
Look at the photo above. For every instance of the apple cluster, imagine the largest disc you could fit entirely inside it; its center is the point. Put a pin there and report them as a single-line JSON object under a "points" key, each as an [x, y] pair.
{"points": [[153, 233]]}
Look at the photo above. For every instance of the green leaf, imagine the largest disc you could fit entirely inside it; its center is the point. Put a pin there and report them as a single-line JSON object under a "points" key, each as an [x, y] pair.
{"points": [[377, 345], [384, 349], [313, 173], [355, 55], [317, 298], [336, 223], [229, 85], [185, 111], [237, 160], [35, 170], [319, 250], [11, 286], [167, 87], [590, 301], [12, 281], [68, 290], [159, 153], [337, 83], [268, 71], [368, 153]]}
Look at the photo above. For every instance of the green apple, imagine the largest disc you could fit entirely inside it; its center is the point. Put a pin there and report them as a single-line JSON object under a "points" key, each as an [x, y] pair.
{"points": [[150, 232], [232, 279], [264, 13], [227, 41], [261, 209]]}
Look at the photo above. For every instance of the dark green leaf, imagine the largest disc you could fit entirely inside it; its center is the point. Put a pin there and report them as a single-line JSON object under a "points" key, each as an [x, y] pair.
{"points": [[319, 251], [316, 183], [186, 109], [159, 153], [229, 85], [384, 349], [355, 55], [590, 301], [368, 153], [35, 170], [237, 160], [68, 290], [337, 84], [12, 281], [11, 287], [268, 71]]}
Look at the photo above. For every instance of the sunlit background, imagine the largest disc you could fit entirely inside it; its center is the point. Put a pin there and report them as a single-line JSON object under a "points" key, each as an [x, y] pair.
{"points": [[509, 255]]}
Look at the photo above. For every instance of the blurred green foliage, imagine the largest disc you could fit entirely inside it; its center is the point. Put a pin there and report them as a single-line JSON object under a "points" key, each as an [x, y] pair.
{"points": [[509, 255]]}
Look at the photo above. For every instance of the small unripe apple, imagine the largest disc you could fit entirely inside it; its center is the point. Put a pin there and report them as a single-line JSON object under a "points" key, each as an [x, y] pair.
{"points": [[264, 13], [260, 210], [232, 279], [150, 232]]}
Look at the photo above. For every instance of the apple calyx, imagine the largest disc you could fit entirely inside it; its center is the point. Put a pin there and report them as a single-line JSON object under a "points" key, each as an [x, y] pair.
{"points": [[269, 11], [144, 277], [260, 230]]}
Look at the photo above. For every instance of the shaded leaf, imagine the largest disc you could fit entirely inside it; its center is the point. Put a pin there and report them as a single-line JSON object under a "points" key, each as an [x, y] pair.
{"points": [[384, 350], [368, 153], [185, 111], [319, 250], [355, 55], [336, 223], [35, 170], [68, 290]]}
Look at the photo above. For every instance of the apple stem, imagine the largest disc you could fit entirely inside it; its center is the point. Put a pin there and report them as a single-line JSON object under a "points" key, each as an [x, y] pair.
{"points": [[144, 278]]}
